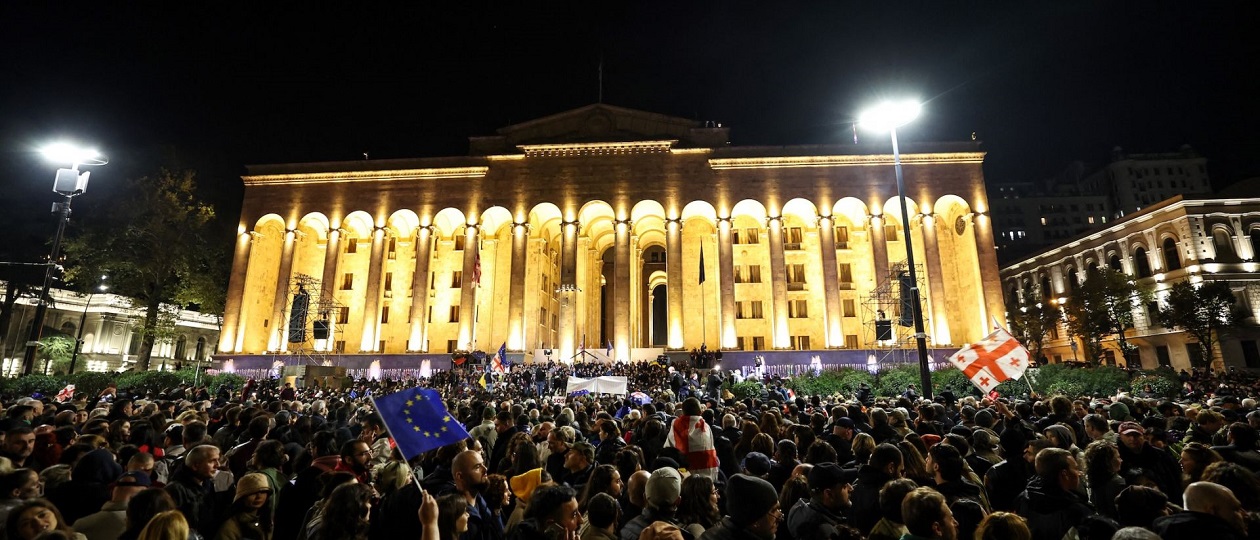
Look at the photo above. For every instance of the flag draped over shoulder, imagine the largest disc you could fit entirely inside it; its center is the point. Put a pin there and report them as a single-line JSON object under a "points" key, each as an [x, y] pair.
{"points": [[418, 421], [693, 437], [995, 359]]}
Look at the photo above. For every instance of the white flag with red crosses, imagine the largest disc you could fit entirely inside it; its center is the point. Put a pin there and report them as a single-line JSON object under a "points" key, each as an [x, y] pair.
{"points": [[992, 360]]}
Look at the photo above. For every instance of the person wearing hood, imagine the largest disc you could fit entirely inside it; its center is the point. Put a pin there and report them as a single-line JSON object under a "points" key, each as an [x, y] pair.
{"points": [[89, 486], [818, 517], [947, 466], [886, 465], [1050, 503]]}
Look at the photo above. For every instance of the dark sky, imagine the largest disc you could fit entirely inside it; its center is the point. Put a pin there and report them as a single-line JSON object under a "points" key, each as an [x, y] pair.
{"points": [[217, 86]]}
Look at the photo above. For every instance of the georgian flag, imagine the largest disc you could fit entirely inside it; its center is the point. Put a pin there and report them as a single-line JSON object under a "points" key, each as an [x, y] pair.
{"points": [[996, 358], [500, 363]]}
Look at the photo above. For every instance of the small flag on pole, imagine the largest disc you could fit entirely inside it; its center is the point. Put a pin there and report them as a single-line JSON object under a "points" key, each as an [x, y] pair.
{"points": [[608, 351], [482, 381], [995, 359], [702, 263], [500, 362], [418, 421]]}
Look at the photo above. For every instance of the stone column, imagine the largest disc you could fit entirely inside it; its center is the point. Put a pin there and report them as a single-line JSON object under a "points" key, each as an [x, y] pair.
{"points": [[936, 282], [328, 282], [879, 250], [778, 285], [468, 289], [567, 289], [516, 288], [279, 340], [621, 291], [419, 335], [986, 253], [726, 274], [674, 282], [233, 336], [831, 280], [372, 301]]}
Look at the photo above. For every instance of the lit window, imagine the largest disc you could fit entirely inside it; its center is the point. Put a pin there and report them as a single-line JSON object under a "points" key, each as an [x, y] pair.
{"points": [[1091, 219], [1043, 220]]}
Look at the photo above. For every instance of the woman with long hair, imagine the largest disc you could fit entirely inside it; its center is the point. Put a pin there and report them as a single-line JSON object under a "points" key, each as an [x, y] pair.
{"points": [[1102, 476], [769, 425], [524, 457], [1195, 457], [699, 507], [119, 433], [863, 446], [763, 443], [35, 517], [452, 516], [250, 515], [168, 525], [142, 508], [345, 514], [604, 479], [915, 465], [748, 431]]}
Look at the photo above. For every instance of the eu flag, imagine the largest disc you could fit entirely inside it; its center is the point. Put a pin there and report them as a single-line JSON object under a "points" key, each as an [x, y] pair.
{"points": [[418, 421]]}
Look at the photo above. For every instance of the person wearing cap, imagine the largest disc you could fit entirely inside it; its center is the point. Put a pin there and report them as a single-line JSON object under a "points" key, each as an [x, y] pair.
{"points": [[111, 521], [661, 494], [1137, 453], [817, 517], [841, 438], [752, 511], [249, 516], [756, 464]]}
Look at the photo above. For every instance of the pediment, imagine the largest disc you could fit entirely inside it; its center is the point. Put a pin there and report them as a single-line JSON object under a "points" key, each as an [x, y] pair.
{"points": [[600, 123]]}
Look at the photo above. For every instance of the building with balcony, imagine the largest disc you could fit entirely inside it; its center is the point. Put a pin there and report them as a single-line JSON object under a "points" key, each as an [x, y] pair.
{"points": [[1178, 239]]}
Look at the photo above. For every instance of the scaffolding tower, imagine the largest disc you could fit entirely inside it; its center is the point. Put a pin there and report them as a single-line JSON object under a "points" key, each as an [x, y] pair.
{"points": [[885, 304], [298, 345]]}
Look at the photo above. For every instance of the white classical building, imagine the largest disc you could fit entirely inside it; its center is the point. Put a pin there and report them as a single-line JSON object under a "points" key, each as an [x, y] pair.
{"points": [[106, 324], [1175, 240]]}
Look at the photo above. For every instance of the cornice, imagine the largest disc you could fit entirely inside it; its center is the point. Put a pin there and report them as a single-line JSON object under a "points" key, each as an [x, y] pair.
{"points": [[400, 175], [844, 161]]}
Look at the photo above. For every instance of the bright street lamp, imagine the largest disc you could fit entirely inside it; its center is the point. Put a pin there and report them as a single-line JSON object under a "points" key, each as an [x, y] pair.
{"points": [[68, 183], [888, 116]]}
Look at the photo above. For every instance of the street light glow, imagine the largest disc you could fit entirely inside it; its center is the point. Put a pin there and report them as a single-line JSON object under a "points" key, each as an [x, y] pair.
{"points": [[889, 115], [64, 152]]}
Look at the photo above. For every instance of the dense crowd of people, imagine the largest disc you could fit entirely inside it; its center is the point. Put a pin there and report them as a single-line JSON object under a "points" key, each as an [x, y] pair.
{"points": [[272, 462]]}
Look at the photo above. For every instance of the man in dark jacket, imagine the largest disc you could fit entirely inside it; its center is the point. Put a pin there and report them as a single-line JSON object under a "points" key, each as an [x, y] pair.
{"points": [[1136, 453], [885, 466], [1212, 512], [1242, 446], [752, 511], [1050, 504], [1008, 478], [506, 426], [784, 463], [818, 517], [191, 489], [558, 444], [946, 464]]}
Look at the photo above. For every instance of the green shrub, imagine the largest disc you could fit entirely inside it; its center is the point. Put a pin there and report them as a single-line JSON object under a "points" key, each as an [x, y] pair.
{"points": [[1164, 383], [892, 382], [27, 385], [144, 382], [843, 380], [954, 380], [90, 383], [746, 389]]}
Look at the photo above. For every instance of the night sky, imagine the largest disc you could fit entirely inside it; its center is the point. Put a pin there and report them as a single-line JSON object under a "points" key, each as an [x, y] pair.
{"points": [[214, 87]]}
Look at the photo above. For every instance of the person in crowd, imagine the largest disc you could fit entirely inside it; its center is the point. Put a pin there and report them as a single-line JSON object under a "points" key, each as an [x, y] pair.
{"points": [[885, 466], [823, 512], [783, 464], [191, 490], [947, 467], [610, 442], [927, 516], [603, 517], [17, 487], [250, 515], [968, 513], [345, 514], [168, 525], [452, 516], [505, 426], [1212, 511], [1003, 526], [1195, 458], [471, 480], [143, 507], [1242, 439], [35, 518], [356, 458], [1137, 453], [111, 521], [752, 511], [698, 507], [552, 515], [661, 494], [1051, 504], [559, 442], [891, 525], [579, 463], [1102, 476]]}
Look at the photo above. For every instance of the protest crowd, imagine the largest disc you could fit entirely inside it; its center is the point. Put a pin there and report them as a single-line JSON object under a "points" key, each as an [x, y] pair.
{"points": [[467, 456]]}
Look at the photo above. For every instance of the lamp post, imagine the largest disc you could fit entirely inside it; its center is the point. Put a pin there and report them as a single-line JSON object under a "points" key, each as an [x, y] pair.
{"points": [[889, 116], [68, 183], [78, 341]]}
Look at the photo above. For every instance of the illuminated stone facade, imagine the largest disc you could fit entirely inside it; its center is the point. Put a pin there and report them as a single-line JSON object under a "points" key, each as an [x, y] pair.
{"points": [[582, 221], [1175, 240]]}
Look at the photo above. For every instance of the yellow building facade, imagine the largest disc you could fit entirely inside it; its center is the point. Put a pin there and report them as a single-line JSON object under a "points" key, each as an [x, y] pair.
{"points": [[587, 227]]}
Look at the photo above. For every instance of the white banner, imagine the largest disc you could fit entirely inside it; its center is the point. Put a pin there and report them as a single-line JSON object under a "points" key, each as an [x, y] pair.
{"points": [[598, 385]]}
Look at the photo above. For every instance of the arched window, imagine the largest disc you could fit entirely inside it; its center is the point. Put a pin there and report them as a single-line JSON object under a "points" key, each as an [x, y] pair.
{"points": [[1114, 263], [1172, 259], [1224, 245], [181, 348], [68, 328], [1072, 281], [1046, 290], [1141, 263], [201, 349]]}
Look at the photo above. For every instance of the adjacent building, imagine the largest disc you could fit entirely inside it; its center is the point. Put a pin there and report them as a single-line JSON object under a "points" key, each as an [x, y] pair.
{"points": [[1175, 240], [613, 230], [106, 324]]}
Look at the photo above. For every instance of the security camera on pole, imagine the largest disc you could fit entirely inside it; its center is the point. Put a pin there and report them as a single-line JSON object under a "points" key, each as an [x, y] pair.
{"points": [[69, 183]]}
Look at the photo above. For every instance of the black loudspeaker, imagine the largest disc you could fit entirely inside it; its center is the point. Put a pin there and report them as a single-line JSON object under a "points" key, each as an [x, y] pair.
{"points": [[883, 330], [320, 329], [297, 317], [718, 355], [907, 300]]}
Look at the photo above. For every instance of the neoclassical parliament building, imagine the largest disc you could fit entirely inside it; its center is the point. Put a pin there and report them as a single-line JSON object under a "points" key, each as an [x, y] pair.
{"points": [[620, 232]]}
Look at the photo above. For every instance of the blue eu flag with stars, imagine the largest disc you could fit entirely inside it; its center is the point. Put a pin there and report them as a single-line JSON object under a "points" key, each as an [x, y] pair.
{"points": [[418, 421]]}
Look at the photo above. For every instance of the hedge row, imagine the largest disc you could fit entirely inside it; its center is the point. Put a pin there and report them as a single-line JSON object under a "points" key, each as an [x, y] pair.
{"points": [[92, 383]]}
